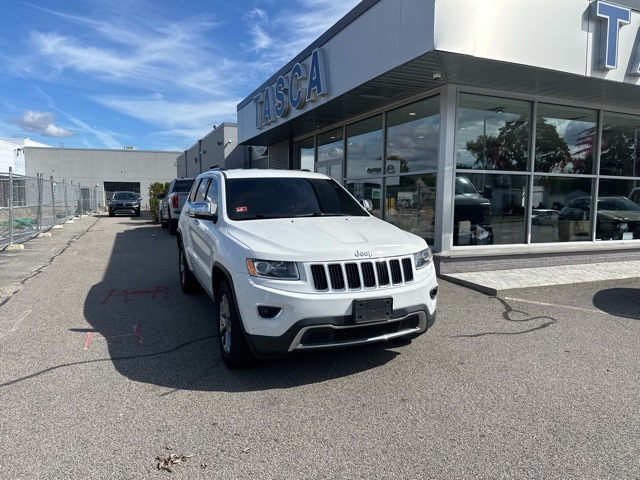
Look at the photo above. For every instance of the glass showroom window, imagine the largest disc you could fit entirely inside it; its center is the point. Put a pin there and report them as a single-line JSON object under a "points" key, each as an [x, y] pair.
{"points": [[331, 154], [412, 137], [331, 146], [618, 206], [364, 148], [304, 154], [620, 155], [563, 209], [565, 139], [493, 133], [565, 147], [364, 162], [410, 204]]}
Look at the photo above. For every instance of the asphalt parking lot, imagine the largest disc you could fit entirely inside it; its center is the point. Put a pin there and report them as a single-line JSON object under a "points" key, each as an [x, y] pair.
{"points": [[108, 369]]}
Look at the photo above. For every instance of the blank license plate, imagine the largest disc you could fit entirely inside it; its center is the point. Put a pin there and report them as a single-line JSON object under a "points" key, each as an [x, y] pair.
{"points": [[372, 310]]}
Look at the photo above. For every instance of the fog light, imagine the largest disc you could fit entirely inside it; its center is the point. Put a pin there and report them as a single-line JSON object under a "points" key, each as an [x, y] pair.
{"points": [[434, 293], [268, 312]]}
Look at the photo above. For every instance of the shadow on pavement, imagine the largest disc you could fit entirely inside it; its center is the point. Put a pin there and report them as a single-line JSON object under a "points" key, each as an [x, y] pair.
{"points": [[622, 302], [155, 334]]}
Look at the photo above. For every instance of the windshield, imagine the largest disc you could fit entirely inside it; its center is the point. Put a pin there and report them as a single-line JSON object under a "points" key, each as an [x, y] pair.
{"points": [[621, 203], [183, 185], [125, 196], [464, 185], [252, 198]]}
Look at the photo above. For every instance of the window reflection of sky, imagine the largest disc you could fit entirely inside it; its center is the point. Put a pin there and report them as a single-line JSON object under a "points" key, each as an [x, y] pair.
{"points": [[364, 152], [415, 142], [571, 131]]}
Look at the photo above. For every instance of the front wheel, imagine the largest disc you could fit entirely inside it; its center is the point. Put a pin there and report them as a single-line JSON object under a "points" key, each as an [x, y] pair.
{"points": [[233, 345]]}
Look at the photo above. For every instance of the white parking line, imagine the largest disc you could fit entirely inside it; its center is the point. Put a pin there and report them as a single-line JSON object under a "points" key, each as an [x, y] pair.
{"points": [[4, 331]]}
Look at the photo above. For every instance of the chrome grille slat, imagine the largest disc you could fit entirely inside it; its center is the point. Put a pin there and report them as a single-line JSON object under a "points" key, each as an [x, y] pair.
{"points": [[364, 274]]}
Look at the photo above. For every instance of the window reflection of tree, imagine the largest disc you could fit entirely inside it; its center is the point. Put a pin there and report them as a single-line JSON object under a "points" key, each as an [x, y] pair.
{"points": [[619, 151], [509, 149]]}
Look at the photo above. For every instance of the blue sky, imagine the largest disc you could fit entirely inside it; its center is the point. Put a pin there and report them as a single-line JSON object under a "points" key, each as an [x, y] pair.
{"points": [[153, 74]]}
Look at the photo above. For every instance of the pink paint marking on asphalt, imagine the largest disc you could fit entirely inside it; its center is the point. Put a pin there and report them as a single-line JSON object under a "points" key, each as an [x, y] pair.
{"points": [[137, 333]]}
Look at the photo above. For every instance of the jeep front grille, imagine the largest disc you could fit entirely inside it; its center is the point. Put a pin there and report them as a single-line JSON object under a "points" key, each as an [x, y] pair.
{"points": [[365, 274]]}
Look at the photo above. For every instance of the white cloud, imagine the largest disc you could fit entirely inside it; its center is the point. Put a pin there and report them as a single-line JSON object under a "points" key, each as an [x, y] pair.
{"points": [[42, 123], [106, 138], [168, 114], [177, 74]]}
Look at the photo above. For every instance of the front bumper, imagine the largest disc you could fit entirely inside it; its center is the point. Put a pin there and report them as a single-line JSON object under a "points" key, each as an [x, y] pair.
{"points": [[130, 209], [326, 320], [337, 332]]}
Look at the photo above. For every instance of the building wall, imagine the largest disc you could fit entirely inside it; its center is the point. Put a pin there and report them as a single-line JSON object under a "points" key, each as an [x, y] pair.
{"points": [[394, 33], [90, 167], [530, 33], [219, 147], [12, 154]]}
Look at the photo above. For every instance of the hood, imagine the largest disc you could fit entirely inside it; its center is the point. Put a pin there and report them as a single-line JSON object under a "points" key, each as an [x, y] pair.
{"points": [[620, 215], [470, 199], [324, 238]]}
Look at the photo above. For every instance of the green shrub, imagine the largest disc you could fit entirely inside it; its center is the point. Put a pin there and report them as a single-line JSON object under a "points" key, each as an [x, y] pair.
{"points": [[155, 189]]}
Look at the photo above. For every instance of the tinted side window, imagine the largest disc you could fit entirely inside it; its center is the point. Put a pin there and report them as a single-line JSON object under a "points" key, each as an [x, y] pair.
{"points": [[194, 190], [212, 193], [201, 193]]}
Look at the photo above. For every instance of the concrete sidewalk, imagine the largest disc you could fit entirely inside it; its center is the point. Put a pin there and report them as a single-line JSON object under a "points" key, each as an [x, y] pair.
{"points": [[19, 264], [503, 282]]}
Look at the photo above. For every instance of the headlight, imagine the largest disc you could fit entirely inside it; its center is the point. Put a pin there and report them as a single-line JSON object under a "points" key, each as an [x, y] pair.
{"points": [[423, 258], [273, 269]]}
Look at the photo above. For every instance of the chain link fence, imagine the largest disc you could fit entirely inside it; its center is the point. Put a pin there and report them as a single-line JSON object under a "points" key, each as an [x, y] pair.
{"points": [[32, 205]]}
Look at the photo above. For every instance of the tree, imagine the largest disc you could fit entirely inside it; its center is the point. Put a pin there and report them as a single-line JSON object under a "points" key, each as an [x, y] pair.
{"points": [[154, 189], [509, 150]]}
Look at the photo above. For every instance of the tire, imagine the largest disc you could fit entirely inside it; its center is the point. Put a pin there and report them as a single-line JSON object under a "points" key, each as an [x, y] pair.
{"points": [[111, 214], [173, 225], [163, 223], [233, 344], [188, 282]]}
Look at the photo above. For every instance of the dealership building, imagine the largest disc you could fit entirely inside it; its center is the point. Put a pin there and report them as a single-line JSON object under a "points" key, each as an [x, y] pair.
{"points": [[487, 127]]}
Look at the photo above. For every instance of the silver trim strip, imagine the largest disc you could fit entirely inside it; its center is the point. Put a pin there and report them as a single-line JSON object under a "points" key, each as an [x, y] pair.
{"points": [[297, 345]]}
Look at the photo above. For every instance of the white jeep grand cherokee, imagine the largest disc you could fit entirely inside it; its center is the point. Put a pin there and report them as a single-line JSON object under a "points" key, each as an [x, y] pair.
{"points": [[293, 262]]}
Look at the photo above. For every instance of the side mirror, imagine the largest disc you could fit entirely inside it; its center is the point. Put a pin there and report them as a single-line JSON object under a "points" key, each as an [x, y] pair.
{"points": [[203, 211], [160, 196], [367, 204]]}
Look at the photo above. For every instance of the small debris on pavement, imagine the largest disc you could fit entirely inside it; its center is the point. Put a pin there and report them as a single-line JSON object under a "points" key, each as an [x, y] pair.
{"points": [[173, 459]]}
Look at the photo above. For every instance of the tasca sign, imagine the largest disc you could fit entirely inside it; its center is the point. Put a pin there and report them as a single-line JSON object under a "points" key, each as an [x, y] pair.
{"points": [[291, 91], [615, 17]]}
